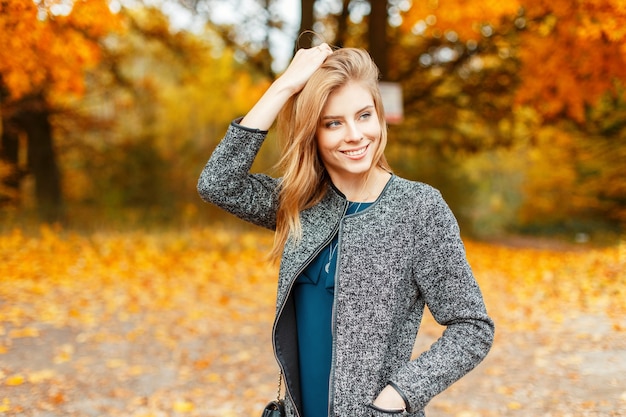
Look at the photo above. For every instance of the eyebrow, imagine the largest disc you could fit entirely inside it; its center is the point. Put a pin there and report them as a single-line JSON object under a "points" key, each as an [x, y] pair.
{"points": [[329, 117]]}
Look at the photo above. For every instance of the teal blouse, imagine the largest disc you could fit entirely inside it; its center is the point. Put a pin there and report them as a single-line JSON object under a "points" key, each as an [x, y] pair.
{"points": [[313, 292]]}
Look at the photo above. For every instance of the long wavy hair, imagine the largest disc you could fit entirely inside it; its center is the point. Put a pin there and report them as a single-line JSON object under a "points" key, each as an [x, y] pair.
{"points": [[305, 180]]}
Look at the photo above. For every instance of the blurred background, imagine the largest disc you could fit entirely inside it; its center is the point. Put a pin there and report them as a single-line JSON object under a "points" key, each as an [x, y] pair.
{"points": [[123, 294], [515, 109]]}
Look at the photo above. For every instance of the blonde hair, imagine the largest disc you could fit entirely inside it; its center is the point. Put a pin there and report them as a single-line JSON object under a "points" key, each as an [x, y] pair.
{"points": [[305, 180]]}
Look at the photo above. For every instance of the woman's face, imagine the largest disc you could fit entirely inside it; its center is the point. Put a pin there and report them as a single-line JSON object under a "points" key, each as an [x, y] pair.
{"points": [[348, 133]]}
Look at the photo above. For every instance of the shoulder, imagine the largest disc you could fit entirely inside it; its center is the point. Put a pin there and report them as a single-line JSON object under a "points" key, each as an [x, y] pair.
{"points": [[423, 209], [413, 192], [418, 201]]}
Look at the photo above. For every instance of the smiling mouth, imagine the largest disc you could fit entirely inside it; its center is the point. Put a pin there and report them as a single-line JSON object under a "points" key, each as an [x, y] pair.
{"points": [[355, 152]]}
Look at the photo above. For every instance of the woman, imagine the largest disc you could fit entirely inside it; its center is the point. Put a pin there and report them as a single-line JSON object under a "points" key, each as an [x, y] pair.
{"points": [[362, 251]]}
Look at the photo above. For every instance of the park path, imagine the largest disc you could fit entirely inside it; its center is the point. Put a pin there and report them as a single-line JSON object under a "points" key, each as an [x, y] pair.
{"points": [[572, 369]]}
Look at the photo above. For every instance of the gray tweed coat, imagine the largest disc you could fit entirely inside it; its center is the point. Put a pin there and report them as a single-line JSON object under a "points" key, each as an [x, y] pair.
{"points": [[396, 257]]}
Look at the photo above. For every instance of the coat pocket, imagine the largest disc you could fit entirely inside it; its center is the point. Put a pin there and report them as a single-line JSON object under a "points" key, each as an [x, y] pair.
{"points": [[374, 411]]}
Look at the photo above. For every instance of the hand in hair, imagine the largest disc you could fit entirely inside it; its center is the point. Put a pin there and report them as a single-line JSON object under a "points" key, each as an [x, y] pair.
{"points": [[302, 66]]}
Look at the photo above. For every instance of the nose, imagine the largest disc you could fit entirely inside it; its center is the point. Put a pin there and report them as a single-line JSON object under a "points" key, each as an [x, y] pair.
{"points": [[353, 133]]}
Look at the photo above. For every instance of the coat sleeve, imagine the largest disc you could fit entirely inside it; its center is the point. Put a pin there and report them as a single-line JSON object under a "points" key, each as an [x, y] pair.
{"points": [[451, 293], [226, 180]]}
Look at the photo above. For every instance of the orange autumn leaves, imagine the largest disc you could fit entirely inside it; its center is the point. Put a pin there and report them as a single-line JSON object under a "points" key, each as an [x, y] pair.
{"points": [[143, 295], [208, 274], [212, 288], [524, 286], [571, 51], [47, 52], [68, 279]]}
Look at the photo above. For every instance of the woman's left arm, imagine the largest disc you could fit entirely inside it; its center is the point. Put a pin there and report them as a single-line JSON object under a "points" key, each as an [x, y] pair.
{"points": [[453, 297]]}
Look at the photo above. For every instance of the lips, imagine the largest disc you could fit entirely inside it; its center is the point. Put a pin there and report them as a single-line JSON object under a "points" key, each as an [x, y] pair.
{"points": [[355, 152]]}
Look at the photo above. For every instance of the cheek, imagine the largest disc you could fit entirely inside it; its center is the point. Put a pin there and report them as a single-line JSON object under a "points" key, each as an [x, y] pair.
{"points": [[325, 142], [374, 130]]}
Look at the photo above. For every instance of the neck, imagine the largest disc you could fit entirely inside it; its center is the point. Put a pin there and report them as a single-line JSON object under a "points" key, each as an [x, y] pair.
{"points": [[365, 188]]}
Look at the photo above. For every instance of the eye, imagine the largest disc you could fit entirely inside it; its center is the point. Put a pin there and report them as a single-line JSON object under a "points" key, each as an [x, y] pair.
{"points": [[332, 123], [366, 115]]}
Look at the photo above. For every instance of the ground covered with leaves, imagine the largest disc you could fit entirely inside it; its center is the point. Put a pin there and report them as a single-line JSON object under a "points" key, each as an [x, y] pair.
{"points": [[177, 323]]}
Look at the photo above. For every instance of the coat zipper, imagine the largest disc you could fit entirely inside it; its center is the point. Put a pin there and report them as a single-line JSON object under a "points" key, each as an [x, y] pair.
{"points": [[282, 306], [333, 325]]}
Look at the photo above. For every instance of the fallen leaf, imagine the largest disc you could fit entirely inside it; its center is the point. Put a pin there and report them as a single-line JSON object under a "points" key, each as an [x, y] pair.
{"points": [[182, 406], [40, 376], [514, 405], [24, 332], [5, 406], [15, 380]]}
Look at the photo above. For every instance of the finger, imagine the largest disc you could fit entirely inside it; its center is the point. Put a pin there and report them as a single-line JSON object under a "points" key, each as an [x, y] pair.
{"points": [[324, 47]]}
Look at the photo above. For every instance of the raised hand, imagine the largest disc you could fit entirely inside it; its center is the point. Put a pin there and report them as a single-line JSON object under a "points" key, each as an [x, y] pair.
{"points": [[302, 66]]}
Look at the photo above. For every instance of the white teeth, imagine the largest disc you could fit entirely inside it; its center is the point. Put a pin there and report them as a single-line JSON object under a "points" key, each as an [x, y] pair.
{"points": [[357, 152]]}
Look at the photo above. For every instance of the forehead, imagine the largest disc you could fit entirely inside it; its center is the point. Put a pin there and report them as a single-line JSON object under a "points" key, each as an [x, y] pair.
{"points": [[349, 97]]}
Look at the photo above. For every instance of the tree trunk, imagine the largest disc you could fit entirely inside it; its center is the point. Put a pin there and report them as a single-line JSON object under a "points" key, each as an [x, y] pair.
{"points": [[377, 36], [306, 23], [342, 24], [42, 164], [9, 155]]}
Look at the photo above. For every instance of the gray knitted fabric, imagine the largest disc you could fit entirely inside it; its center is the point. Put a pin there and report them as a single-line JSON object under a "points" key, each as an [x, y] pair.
{"points": [[395, 257]]}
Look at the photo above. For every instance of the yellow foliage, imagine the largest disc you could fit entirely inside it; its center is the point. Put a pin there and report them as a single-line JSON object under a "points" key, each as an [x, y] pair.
{"points": [[568, 175], [192, 108]]}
